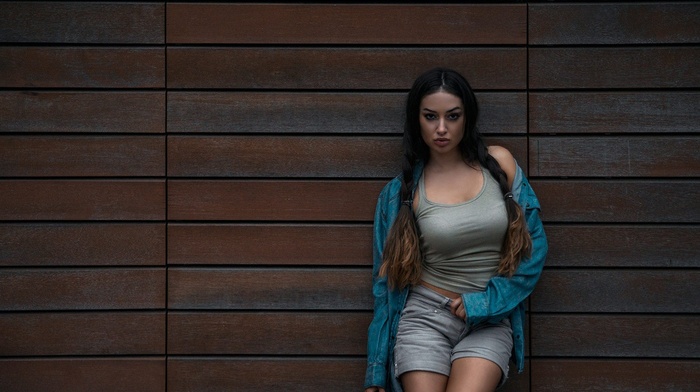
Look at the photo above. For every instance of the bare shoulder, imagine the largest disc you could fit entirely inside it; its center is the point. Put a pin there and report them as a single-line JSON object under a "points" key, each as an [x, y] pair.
{"points": [[505, 160]]}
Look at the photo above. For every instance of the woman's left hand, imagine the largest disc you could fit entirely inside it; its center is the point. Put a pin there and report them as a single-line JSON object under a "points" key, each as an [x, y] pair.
{"points": [[457, 308]]}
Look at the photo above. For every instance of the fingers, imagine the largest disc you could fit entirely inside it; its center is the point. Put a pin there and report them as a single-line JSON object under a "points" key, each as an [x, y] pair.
{"points": [[457, 308]]}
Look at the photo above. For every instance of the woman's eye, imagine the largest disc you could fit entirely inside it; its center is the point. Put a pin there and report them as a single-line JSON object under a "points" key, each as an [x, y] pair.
{"points": [[430, 117], [453, 117]]}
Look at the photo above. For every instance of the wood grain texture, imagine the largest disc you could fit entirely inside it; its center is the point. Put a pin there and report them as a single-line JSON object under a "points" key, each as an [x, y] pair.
{"points": [[85, 112], [93, 333], [83, 374], [264, 200], [639, 156], [338, 68], [270, 288], [614, 112], [79, 22], [74, 67], [265, 244], [589, 68], [613, 24], [82, 199], [622, 246], [632, 336], [346, 24], [659, 201], [322, 112], [78, 156]]}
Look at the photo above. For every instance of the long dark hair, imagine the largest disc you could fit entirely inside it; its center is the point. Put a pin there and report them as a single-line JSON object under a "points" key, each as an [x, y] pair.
{"points": [[402, 256]]}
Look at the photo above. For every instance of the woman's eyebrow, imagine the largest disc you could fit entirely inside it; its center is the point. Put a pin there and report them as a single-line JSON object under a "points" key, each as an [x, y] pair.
{"points": [[451, 110]]}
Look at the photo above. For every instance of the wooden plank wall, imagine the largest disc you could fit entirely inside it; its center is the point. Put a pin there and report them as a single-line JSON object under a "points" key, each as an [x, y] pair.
{"points": [[187, 189]]}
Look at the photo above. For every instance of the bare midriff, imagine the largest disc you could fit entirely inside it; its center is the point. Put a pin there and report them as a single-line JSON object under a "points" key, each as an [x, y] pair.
{"points": [[446, 293]]}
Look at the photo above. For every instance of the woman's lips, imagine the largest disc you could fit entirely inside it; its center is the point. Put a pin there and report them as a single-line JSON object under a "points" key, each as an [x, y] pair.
{"points": [[442, 142]]}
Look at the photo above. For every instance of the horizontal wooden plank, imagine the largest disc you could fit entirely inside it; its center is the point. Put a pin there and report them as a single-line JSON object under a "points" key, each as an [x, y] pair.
{"points": [[641, 291], [346, 24], [272, 200], [82, 199], [322, 112], [83, 374], [76, 156], [615, 375], [259, 244], [270, 288], [283, 374], [623, 246], [55, 244], [88, 112], [615, 336], [653, 201], [614, 112], [579, 68], [92, 333], [71, 22], [78, 289], [613, 24], [335, 333], [62, 67], [339, 68], [631, 156]]}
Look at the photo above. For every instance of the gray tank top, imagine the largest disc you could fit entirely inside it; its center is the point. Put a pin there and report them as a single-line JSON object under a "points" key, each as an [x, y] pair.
{"points": [[461, 243]]}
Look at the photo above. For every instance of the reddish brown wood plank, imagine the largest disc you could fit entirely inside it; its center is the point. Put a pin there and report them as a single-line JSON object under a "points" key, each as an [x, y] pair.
{"points": [[346, 24], [82, 199], [75, 156], [586, 156], [615, 336], [77, 289], [614, 112], [619, 201], [322, 113], [339, 68], [640, 291], [613, 24], [623, 246], [272, 200], [93, 333], [259, 244], [64, 22], [578, 68], [61, 67], [83, 374], [114, 111], [270, 288]]}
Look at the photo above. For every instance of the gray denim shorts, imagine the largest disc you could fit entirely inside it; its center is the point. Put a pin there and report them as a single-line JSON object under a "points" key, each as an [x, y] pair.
{"points": [[430, 337]]}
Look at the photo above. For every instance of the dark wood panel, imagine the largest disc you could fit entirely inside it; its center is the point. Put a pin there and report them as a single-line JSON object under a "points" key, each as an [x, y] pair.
{"points": [[103, 333], [322, 113], [586, 156], [70, 22], [615, 375], [258, 244], [48, 111], [615, 336], [335, 333], [272, 200], [574, 24], [619, 290], [346, 24], [282, 374], [75, 156], [82, 199], [623, 246], [83, 374], [61, 67], [270, 288], [645, 67], [619, 201], [77, 289], [339, 68], [614, 112]]}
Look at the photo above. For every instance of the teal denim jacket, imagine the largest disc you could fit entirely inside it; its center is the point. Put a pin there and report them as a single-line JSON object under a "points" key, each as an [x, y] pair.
{"points": [[503, 297]]}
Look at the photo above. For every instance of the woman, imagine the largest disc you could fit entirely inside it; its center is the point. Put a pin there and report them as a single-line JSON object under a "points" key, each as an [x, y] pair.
{"points": [[458, 247]]}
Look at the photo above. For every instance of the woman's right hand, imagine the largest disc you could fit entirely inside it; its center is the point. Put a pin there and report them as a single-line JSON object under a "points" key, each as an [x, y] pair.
{"points": [[374, 389]]}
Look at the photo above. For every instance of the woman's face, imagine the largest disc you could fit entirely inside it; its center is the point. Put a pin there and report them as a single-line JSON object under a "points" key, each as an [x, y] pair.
{"points": [[442, 123]]}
